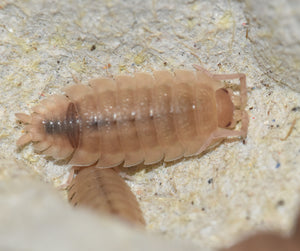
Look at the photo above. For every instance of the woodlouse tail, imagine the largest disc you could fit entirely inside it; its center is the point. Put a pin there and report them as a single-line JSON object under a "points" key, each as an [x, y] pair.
{"points": [[44, 127], [105, 191], [24, 139]]}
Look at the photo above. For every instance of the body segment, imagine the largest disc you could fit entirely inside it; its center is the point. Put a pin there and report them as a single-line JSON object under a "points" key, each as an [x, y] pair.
{"points": [[134, 119]]}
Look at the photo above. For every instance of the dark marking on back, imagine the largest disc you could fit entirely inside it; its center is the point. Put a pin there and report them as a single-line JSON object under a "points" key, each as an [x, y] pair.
{"points": [[73, 125], [69, 127], [229, 123]]}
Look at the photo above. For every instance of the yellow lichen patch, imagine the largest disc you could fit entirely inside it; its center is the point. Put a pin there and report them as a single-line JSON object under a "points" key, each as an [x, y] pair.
{"points": [[58, 41], [195, 7], [30, 157], [296, 62], [122, 67], [33, 66], [265, 34], [25, 46], [191, 23], [226, 21], [57, 182], [139, 58], [3, 135], [78, 66]]}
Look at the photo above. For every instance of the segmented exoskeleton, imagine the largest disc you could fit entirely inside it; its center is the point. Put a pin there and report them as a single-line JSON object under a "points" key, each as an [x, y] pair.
{"points": [[134, 119]]}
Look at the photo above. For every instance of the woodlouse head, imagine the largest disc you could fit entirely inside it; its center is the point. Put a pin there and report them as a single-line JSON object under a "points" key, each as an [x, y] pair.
{"points": [[46, 127], [225, 108]]}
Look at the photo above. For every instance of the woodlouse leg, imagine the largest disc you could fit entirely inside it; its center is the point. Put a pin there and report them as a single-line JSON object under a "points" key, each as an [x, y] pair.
{"points": [[24, 139], [222, 133], [73, 171], [123, 174], [243, 87], [240, 76]]}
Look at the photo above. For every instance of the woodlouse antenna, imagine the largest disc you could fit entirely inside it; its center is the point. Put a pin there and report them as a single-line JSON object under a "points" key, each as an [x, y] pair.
{"points": [[25, 118], [27, 137]]}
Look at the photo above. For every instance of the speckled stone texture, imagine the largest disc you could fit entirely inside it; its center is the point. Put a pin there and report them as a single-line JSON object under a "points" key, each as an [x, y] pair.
{"points": [[210, 200]]}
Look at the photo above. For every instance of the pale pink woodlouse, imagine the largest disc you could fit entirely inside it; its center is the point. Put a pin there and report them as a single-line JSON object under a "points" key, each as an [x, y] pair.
{"points": [[144, 118], [103, 190]]}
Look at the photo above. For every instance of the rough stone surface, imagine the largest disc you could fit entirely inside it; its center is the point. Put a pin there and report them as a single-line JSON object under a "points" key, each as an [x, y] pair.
{"points": [[209, 200]]}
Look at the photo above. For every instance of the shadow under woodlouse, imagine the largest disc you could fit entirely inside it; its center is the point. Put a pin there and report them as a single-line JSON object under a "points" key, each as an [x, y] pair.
{"points": [[103, 190], [270, 241]]}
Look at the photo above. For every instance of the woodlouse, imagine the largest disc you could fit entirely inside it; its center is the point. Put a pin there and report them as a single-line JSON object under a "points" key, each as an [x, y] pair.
{"points": [[144, 118], [103, 190]]}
